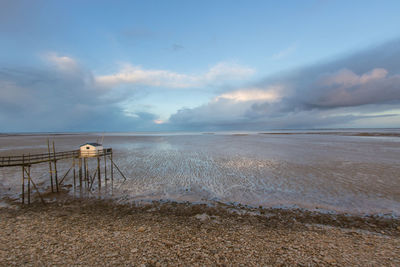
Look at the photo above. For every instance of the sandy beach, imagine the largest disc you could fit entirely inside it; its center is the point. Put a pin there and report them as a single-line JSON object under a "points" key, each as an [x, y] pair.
{"points": [[104, 233]]}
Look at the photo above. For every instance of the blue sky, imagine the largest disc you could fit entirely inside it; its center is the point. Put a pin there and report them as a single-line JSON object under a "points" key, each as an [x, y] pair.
{"points": [[198, 65]]}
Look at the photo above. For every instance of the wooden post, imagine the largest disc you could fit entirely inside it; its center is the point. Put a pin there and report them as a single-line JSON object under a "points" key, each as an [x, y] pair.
{"points": [[84, 171], [85, 160], [120, 172], [112, 172], [80, 172], [55, 166], [23, 179], [73, 163], [98, 172], [29, 181], [50, 169], [112, 169], [34, 186], [105, 168]]}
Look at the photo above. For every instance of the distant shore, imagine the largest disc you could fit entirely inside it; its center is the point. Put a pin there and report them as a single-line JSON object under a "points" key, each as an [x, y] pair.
{"points": [[338, 133], [100, 232]]}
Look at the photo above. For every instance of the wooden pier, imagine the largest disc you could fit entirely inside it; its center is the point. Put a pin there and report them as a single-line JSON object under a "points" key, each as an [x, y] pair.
{"points": [[82, 176]]}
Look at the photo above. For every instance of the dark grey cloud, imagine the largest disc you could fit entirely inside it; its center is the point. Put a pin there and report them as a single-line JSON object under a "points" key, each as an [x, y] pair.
{"points": [[325, 94], [62, 98]]}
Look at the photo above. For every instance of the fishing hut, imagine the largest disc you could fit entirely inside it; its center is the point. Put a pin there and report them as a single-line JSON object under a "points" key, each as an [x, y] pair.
{"points": [[83, 176], [90, 150]]}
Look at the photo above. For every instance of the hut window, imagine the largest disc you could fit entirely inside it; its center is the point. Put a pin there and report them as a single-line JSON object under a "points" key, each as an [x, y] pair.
{"points": [[87, 147]]}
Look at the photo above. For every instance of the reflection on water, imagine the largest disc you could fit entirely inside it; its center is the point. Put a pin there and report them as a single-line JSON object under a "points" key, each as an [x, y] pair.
{"points": [[345, 173]]}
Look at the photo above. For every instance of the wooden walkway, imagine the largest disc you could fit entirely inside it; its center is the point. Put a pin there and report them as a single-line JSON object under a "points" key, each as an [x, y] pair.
{"points": [[79, 161], [24, 160]]}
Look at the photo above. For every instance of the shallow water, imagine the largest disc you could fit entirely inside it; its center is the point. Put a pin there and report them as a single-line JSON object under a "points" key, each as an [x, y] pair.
{"points": [[355, 174]]}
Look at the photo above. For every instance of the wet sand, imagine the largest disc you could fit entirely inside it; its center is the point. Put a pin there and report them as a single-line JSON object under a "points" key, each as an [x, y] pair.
{"points": [[352, 174], [97, 232]]}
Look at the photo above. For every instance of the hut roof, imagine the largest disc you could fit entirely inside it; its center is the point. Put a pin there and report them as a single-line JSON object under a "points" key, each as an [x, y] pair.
{"points": [[92, 144]]}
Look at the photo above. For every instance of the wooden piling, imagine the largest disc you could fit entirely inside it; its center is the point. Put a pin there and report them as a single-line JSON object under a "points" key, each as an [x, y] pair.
{"points": [[105, 169], [23, 179], [73, 163], [112, 169], [80, 172], [112, 173], [25, 162], [34, 185], [98, 172], [50, 169], [86, 172], [120, 172], [55, 167], [29, 181]]}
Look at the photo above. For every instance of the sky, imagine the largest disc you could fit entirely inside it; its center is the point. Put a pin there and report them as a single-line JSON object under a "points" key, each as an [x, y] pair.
{"points": [[195, 65]]}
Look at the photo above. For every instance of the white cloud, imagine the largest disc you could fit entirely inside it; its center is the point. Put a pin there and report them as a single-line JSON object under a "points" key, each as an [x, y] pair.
{"points": [[129, 74], [158, 121], [271, 94], [63, 63]]}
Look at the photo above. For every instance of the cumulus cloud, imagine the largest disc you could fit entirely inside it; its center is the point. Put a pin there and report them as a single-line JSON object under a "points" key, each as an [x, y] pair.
{"points": [[345, 88], [335, 93], [61, 96], [271, 94], [63, 63], [136, 75]]}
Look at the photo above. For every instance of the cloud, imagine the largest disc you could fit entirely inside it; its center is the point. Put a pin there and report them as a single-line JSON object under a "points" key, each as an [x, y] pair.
{"points": [[331, 94], [345, 88], [63, 63], [136, 75], [362, 89], [158, 121], [61, 96], [271, 94]]}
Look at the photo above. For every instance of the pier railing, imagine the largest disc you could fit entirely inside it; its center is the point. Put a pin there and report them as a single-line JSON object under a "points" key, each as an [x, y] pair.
{"points": [[79, 167], [30, 159]]}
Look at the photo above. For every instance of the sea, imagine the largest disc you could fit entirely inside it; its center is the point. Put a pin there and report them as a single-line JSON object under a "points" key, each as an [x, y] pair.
{"points": [[355, 171]]}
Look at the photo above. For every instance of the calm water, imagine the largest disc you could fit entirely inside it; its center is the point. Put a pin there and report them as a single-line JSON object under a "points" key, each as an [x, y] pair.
{"points": [[333, 172]]}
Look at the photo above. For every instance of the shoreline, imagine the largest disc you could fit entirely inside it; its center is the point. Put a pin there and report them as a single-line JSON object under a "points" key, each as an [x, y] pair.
{"points": [[92, 232], [380, 223]]}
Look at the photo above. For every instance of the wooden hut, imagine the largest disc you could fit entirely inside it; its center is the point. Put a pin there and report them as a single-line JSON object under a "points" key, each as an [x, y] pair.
{"points": [[91, 150]]}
